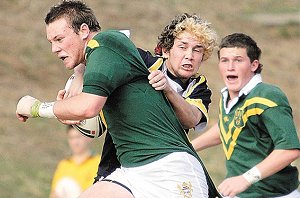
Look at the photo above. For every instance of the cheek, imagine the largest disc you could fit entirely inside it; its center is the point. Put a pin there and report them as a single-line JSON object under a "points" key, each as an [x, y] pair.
{"points": [[72, 44]]}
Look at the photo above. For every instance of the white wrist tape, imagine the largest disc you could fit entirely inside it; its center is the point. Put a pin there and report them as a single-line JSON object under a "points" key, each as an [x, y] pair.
{"points": [[46, 110], [253, 175]]}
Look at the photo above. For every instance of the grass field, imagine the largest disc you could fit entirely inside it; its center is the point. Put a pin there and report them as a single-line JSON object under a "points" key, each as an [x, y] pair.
{"points": [[30, 151]]}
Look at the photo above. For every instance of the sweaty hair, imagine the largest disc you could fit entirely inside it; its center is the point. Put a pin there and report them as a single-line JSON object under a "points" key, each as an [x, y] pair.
{"points": [[193, 24], [76, 13], [241, 40]]}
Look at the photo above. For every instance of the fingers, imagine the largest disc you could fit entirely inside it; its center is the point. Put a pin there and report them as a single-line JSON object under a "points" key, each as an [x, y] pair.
{"points": [[21, 117], [232, 186], [158, 80], [61, 94], [69, 122], [24, 106]]}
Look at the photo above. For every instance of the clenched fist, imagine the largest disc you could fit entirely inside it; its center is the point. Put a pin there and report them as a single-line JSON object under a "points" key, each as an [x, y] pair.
{"points": [[27, 107]]}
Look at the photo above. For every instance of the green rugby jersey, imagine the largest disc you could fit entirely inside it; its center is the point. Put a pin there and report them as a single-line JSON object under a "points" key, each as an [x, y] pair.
{"points": [[142, 123], [256, 125]]}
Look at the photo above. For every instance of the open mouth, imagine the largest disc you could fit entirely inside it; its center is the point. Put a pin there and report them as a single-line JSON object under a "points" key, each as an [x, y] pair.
{"points": [[187, 66], [63, 58], [232, 77]]}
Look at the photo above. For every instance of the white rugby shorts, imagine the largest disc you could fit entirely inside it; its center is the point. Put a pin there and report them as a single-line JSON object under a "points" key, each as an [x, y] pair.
{"points": [[178, 175]]}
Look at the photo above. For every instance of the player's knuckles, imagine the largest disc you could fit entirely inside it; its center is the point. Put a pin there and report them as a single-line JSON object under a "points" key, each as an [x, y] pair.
{"points": [[151, 75], [23, 104]]}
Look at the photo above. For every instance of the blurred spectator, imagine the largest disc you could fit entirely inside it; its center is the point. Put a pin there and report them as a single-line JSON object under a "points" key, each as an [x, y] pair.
{"points": [[75, 173]]}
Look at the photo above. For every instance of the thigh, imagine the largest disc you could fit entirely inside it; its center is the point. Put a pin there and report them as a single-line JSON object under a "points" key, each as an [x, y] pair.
{"points": [[103, 189]]}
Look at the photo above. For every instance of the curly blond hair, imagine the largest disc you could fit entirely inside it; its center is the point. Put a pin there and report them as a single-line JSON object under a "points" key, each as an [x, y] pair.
{"points": [[193, 24]]}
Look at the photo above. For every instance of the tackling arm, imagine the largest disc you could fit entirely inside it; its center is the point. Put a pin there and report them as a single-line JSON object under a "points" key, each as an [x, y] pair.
{"points": [[188, 115], [208, 139]]}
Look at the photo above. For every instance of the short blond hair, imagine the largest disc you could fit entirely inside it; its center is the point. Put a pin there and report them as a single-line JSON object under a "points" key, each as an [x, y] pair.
{"points": [[193, 24]]}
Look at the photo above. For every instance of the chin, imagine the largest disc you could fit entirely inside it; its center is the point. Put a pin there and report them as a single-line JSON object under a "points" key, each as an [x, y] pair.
{"points": [[69, 67]]}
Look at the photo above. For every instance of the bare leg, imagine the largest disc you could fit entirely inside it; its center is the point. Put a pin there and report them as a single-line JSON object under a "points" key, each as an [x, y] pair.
{"points": [[104, 189]]}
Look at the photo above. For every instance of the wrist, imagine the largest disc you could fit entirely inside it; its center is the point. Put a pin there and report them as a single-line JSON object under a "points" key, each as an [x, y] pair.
{"points": [[253, 175], [46, 110], [42, 109], [34, 112]]}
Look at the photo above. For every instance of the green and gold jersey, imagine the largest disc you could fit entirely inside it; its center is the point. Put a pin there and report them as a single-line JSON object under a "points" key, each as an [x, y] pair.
{"points": [[142, 123], [258, 123]]}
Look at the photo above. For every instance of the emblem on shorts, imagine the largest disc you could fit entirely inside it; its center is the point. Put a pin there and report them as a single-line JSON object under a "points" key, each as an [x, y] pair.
{"points": [[238, 118], [186, 189]]}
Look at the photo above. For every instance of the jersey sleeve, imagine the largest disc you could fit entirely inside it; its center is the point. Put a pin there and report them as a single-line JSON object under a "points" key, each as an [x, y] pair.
{"points": [[111, 61], [279, 123], [199, 95], [105, 71]]}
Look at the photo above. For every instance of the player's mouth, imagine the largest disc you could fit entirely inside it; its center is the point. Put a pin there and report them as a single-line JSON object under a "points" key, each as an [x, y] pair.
{"points": [[187, 66], [231, 77], [62, 58]]}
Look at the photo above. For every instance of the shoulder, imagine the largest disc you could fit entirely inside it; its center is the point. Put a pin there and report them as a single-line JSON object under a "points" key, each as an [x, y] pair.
{"points": [[64, 163], [270, 92], [152, 62], [201, 79], [110, 39], [197, 83]]}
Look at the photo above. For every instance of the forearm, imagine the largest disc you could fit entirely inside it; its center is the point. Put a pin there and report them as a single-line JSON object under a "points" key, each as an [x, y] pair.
{"points": [[276, 161], [188, 115], [79, 107], [208, 139]]}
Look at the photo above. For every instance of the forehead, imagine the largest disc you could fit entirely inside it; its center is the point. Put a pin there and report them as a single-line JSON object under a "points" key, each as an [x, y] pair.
{"points": [[188, 38], [57, 27], [233, 52]]}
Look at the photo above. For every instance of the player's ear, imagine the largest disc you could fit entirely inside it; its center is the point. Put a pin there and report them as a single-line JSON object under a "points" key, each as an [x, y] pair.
{"points": [[84, 31], [254, 65], [165, 53]]}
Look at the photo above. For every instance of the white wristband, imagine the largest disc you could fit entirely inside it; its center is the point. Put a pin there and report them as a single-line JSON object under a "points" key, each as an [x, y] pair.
{"points": [[253, 175], [46, 110]]}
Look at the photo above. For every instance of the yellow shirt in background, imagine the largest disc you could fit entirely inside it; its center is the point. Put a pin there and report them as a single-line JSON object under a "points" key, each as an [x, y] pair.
{"points": [[82, 174]]}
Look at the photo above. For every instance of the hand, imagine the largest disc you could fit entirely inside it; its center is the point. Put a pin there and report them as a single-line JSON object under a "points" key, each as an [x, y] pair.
{"points": [[60, 96], [74, 88], [158, 80], [233, 186], [24, 107], [74, 85]]}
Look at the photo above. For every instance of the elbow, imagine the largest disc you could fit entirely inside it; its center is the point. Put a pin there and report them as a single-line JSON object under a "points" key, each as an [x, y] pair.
{"points": [[192, 122], [295, 154], [189, 124]]}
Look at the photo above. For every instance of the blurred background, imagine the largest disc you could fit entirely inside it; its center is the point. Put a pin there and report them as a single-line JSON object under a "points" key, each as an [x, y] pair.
{"points": [[30, 151]]}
